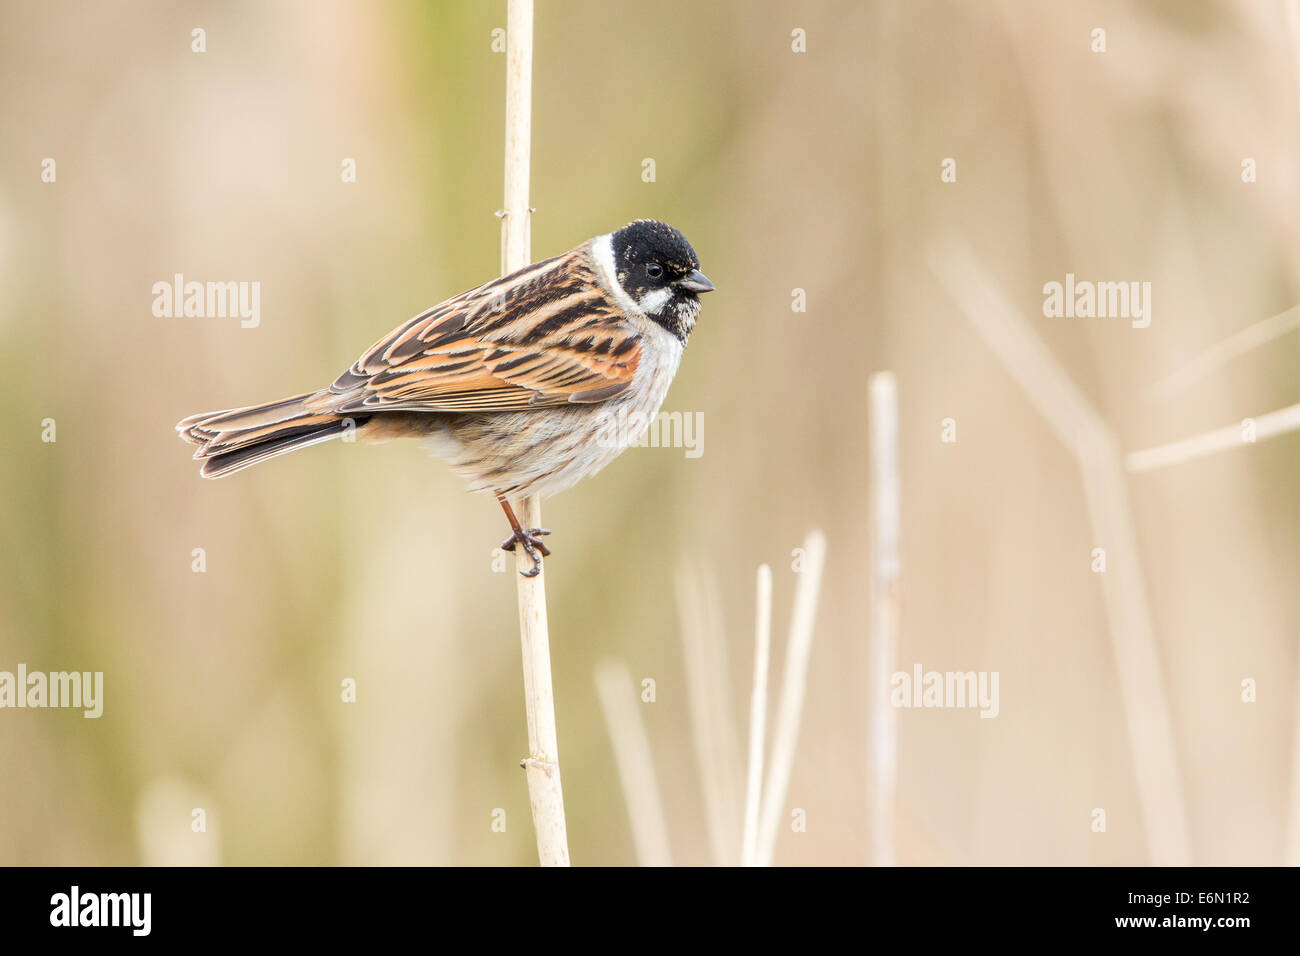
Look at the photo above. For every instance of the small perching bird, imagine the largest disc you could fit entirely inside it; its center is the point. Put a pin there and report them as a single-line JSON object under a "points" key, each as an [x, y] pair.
{"points": [[513, 383]]}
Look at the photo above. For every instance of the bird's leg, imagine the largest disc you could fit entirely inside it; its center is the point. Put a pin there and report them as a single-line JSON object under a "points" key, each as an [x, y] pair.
{"points": [[530, 539]]}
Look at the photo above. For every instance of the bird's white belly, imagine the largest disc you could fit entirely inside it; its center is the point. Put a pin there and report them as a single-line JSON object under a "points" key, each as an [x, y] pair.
{"points": [[546, 451]]}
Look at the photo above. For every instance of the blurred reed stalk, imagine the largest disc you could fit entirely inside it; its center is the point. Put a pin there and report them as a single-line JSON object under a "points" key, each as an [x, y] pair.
{"points": [[1221, 353], [1050, 390], [757, 715], [794, 680], [1276, 423], [1292, 853], [542, 765], [636, 772], [1220, 439], [886, 569], [713, 726], [712, 723]]}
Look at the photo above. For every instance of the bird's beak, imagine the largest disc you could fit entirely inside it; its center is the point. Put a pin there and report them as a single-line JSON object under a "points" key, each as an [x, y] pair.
{"points": [[697, 281]]}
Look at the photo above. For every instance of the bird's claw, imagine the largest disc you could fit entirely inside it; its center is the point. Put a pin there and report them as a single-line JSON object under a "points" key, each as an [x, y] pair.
{"points": [[531, 540]]}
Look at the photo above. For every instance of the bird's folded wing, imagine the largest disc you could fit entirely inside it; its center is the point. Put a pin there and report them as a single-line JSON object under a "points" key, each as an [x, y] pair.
{"points": [[521, 342]]}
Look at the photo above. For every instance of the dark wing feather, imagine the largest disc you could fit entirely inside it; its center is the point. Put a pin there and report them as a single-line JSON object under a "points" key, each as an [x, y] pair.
{"points": [[543, 336]]}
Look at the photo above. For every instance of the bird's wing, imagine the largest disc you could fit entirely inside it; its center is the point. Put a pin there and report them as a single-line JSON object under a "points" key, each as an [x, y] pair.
{"points": [[543, 336]]}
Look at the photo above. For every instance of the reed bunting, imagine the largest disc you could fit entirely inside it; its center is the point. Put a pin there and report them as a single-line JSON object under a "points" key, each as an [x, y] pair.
{"points": [[512, 383]]}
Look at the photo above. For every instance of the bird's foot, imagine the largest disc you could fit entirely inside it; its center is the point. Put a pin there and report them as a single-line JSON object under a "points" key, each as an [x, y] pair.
{"points": [[531, 540]]}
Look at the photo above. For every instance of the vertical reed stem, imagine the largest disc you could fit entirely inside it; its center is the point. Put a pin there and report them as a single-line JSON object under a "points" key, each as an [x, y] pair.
{"points": [[636, 770], [543, 763], [757, 716], [785, 734]]}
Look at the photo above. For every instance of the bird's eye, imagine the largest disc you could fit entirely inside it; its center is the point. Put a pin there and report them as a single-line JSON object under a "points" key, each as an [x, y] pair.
{"points": [[654, 270]]}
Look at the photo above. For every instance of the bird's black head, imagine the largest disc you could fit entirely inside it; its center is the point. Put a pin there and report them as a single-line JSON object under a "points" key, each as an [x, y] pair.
{"points": [[658, 269]]}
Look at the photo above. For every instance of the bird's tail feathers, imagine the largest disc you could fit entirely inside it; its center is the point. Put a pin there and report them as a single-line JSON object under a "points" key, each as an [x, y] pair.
{"points": [[235, 438]]}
